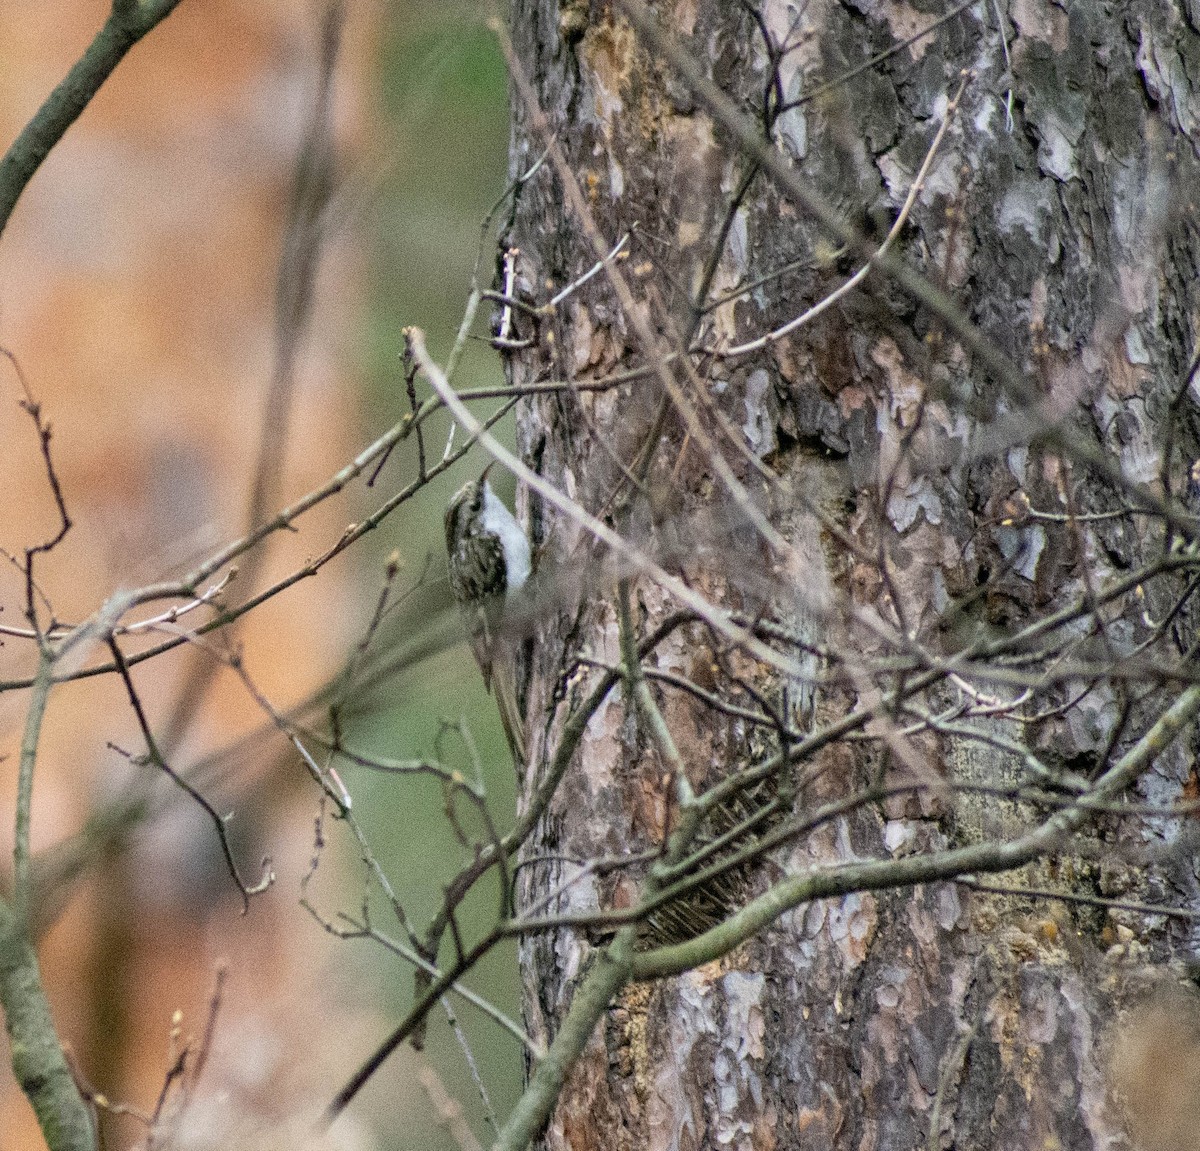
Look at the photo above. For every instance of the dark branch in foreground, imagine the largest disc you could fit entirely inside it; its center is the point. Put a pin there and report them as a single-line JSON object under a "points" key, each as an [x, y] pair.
{"points": [[127, 23]]}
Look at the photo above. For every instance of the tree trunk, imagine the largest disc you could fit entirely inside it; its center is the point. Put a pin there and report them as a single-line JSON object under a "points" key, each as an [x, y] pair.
{"points": [[930, 507]]}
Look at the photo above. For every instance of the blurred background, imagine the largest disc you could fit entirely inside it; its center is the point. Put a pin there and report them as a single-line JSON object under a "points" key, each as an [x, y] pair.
{"points": [[138, 287]]}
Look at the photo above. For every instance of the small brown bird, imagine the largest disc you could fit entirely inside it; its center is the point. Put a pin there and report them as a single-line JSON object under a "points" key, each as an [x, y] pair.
{"points": [[490, 563]]}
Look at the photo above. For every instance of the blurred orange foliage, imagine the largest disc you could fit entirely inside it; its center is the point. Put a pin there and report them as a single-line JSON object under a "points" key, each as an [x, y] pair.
{"points": [[137, 281]]}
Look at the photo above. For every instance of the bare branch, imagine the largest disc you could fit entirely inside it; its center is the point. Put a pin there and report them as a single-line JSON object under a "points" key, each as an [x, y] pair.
{"points": [[127, 23]]}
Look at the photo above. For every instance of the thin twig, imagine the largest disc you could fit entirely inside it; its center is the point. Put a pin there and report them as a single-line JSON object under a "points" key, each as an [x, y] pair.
{"points": [[154, 756], [897, 227]]}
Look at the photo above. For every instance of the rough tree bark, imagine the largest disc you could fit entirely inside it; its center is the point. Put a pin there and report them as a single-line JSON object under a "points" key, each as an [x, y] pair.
{"points": [[1068, 234]]}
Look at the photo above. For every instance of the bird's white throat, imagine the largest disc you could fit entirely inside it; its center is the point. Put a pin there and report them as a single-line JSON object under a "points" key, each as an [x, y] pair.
{"points": [[498, 520]]}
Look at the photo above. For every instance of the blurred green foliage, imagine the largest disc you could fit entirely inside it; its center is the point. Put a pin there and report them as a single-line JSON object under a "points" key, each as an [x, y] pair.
{"points": [[445, 100]]}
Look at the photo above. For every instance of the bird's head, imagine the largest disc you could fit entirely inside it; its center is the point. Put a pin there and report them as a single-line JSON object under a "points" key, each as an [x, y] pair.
{"points": [[466, 506]]}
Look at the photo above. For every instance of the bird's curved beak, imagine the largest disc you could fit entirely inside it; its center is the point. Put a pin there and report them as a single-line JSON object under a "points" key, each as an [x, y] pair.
{"points": [[484, 474]]}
